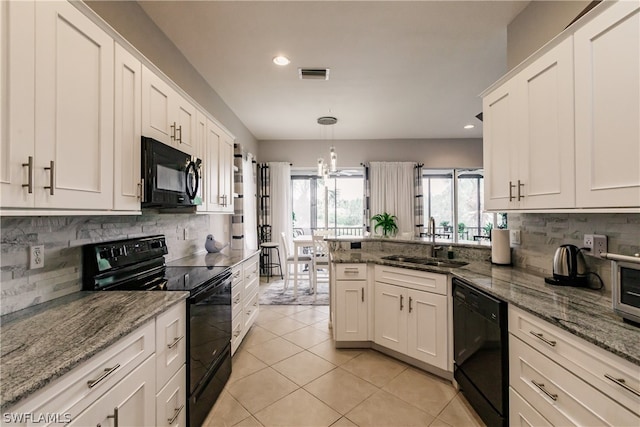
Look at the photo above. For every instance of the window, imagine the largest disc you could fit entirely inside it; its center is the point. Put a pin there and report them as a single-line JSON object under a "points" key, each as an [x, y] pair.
{"points": [[457, 205], [337, 207]]}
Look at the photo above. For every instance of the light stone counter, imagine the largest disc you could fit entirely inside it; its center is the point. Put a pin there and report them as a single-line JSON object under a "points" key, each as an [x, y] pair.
{"points": [[585, 313], [41, 343]]}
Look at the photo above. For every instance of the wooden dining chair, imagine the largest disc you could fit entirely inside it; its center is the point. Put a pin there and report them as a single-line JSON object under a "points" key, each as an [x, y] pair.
{"points": [[320, 257]]}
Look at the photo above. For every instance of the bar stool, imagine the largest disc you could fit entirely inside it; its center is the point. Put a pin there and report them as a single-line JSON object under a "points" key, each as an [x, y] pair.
{"points": [[268, 259]]}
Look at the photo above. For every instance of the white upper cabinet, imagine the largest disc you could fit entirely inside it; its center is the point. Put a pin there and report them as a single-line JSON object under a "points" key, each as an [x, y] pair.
{"points": [[167, 116], [563, 131], [128, 131], [528, 136], [607, 61], [58, 150], [218, 170]]}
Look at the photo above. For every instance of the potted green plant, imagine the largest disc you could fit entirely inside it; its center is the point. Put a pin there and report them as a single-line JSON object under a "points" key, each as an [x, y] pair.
{"points": [[387, 222], [445, 226]]}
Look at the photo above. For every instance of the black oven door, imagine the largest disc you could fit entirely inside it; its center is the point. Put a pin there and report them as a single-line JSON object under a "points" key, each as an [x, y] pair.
{"points": [[170, 177], [209, 345]]}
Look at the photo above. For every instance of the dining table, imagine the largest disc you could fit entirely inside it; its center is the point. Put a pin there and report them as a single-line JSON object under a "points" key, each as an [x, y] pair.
{"points": [[299, 243]]}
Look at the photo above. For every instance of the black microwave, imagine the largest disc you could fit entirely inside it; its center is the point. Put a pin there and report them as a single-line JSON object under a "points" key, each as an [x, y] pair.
{"points": [[170, 178]]}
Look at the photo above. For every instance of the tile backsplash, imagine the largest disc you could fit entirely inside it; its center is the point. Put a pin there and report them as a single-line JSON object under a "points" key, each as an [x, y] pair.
{"points": [[541, 234], [63, 238]]}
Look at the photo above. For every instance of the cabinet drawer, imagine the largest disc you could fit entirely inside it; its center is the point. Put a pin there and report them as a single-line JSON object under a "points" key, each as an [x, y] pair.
{"points": [[171, 348], [351, 271], [236, 299], [237, 329], [251, 286], [171, 400], [251, 268], [251, 308], [236, 275], [521, 414], [72, 393], [414, 279], [558, 395], [591, 363]]}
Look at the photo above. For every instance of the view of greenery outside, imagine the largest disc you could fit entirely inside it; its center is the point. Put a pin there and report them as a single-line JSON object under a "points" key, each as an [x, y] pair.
{"points": [[344, 195], [470, 206], [438, 192]]}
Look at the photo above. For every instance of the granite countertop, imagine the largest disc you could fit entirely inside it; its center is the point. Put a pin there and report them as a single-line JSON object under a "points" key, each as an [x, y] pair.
{"points": [[220, 259], [43, 342], [585, 313]]}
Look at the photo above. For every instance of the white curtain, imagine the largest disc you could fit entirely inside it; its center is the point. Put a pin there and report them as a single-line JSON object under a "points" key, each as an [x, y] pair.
{"points": [[392, 191], [249, 199], [281, 211]]}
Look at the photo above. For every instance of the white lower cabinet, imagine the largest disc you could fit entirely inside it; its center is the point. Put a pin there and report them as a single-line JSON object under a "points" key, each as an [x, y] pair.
{"points": [[522, 414], [123, 385], [351, 299], [244, 299], [170, 401], [411, 314], [131, 402], [565, 380]]}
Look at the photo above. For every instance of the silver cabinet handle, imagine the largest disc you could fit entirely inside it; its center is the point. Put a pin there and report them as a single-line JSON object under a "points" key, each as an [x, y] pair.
{"points": [[114, 416], [29, 184], [410, 299], [175, 415], [363, 294], [552, 396], [51, 177], [520, 185], [511, 187], [173, 131], [401, 300], [622, 383], [179, 129], [140, 190], [142, 195], [105, 374], [543, 339], [175, 342]]}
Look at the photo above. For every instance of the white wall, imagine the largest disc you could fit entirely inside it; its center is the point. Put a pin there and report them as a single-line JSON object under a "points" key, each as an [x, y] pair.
{"points": [[538, 23], [434, 153]]}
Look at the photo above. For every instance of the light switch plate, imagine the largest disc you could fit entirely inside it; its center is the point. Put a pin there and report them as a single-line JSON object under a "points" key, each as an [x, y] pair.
{"points": [[514, 236]]}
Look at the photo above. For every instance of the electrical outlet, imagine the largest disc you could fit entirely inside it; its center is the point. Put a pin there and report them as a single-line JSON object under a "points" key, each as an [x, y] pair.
{"points": [[36, 256], [514, 236], [597, 243]]}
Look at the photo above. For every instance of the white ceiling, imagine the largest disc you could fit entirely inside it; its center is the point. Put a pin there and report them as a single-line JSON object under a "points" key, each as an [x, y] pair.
{"points": [[398, 69]]}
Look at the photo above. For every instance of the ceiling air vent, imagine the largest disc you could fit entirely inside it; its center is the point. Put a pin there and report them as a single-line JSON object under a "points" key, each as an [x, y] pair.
{"points": [[313, 73]]}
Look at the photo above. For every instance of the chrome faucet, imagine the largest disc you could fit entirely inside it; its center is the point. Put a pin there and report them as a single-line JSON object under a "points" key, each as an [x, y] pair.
{"points": [[431, 231]]}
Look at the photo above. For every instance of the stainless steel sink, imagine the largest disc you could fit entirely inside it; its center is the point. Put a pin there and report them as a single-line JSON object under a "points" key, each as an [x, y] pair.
{"points": [[425, 261]]}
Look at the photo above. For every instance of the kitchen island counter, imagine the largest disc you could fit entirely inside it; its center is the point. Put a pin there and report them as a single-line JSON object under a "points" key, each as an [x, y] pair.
{"points": [[43, 342], [585, 313]]}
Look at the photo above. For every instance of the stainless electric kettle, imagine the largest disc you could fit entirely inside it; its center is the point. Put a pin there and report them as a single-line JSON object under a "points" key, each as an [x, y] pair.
{"points": [[569, 266]]}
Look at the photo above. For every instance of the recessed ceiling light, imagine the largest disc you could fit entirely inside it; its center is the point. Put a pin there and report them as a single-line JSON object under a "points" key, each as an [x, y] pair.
{"points": [[469, 126], [281, 60]]}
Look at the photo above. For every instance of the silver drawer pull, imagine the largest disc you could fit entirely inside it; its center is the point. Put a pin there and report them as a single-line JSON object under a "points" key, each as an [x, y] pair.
{"points": [[29, 164], [542, 338], [114, 416], [175, 415], [175, 342], [552, 396], [105, 374], [622, 383], [52, 176], [351, 270]]}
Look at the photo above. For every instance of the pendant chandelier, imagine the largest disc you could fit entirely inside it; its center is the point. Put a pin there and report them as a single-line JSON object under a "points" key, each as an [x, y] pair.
{"points": [[332, 167]]}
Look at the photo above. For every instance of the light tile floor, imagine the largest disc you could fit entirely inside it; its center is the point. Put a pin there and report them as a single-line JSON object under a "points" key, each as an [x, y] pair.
{"points": [[287, 372]]}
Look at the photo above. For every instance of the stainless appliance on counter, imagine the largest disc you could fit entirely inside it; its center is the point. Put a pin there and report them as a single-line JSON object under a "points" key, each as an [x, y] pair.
{"points": [[139, 264], [480, 351], [625, 284], [569, 267]]}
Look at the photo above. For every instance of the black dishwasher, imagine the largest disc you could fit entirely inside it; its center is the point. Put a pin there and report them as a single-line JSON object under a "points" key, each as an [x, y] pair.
{"points": [[481, 355]]}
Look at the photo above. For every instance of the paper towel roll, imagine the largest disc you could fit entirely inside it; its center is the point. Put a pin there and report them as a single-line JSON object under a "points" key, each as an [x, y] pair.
{"points": [[500, 246]]}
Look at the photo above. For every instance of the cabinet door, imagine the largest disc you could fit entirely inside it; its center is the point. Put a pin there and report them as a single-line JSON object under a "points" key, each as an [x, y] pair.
{"points": [[186, 123], [211, 165], [132, 401], [157, 108], [500, 147], [546, 166], [128, 131], [390, 317], [170, 402], [17, 95], [351, 308], [171, 331], [607, 99], [225, 170], [201, 153], [427, 328], [74, 110]]}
